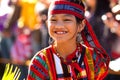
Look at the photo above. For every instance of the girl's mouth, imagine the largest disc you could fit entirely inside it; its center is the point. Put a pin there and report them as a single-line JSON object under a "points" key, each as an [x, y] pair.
{"points": [[60, 32]]}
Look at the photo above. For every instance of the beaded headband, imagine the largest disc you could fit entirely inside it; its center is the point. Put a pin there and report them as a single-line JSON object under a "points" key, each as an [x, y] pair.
{"points": [[67, 7]]}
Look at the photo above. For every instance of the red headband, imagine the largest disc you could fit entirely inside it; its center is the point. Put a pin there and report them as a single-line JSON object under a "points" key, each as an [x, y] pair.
{"points": [[64, 6], [58, 7]]}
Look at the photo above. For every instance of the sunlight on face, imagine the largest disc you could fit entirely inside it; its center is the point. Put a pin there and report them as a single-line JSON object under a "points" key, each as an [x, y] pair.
{"points": [[62, 27]]}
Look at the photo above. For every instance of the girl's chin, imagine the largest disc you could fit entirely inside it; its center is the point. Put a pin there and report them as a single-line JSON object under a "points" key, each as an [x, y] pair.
{"points": [[61, 41]]}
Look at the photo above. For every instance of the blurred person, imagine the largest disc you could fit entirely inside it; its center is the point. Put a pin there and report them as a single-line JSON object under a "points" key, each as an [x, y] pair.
{"points": [[95, 9], [6, 41], [40, 34], [74, 52], [113, 40], [12, 18], [8, 22], [114, 27], [43, 28], [112, 23], [9, 14], [27, 15], [6, 36], [21, 50], [36, 40]]}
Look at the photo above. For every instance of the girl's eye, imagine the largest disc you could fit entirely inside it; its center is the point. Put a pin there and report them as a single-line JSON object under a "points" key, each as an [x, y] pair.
{"points": [[53, 20], [67, 20]]}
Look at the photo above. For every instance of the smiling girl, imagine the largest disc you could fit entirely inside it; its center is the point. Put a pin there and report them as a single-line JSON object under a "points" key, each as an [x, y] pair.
{"points": [[74, 52]]}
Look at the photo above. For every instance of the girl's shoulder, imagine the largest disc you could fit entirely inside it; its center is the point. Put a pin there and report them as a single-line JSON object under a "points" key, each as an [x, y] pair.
{"points": [[41, 55], [43, 51]]}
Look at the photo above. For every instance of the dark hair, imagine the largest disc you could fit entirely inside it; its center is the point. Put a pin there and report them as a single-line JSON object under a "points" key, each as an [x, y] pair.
{"points": [[79, 2], [78, 19], [101, 7], [43, 12]]}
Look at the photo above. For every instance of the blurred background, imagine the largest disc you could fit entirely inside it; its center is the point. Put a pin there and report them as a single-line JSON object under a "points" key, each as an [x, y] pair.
{"points": [[23, 31]]}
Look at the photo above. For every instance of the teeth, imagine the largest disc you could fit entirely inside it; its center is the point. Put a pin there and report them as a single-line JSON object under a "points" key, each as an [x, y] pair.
{"points": [[60, 32]]}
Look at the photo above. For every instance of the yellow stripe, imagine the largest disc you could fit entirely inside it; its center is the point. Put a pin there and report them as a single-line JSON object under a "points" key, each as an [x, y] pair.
{"points": [[44, 52], [90, 63]]}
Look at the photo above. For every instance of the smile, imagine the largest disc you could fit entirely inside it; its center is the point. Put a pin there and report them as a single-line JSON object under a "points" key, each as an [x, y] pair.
{"points": [[60, 32]]}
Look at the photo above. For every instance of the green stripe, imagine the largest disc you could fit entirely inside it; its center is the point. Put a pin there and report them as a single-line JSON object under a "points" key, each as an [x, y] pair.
{"points": [[41, 61], [34, 76]]}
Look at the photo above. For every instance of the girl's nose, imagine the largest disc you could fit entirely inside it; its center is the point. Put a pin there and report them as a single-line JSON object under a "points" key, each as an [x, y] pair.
{"points": [[59, 24]]}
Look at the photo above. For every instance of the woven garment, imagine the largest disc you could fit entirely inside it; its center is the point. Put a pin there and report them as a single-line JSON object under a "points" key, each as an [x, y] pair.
{"points": [[47, 65], [88, 36]]}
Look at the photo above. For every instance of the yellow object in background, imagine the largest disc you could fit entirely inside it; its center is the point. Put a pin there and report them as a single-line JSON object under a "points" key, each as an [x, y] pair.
{"points": [[27, 17], [10, 74]]}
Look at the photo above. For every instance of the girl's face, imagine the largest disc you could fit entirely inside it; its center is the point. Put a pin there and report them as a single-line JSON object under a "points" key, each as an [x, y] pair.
{"points": [[62, 27]]}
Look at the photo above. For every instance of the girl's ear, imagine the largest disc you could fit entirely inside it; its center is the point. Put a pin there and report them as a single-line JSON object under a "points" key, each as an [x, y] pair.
{"points": [[81, 25]]}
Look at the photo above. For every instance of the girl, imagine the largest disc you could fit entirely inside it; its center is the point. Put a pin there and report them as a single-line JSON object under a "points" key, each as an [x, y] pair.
{"points": [[74, 53]]}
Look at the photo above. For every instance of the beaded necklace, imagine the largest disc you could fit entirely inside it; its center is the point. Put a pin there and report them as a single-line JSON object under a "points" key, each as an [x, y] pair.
{"points": [[76, 59], [76, 53]]}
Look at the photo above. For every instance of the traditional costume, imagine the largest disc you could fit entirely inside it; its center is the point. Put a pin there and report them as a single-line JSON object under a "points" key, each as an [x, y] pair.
{"points": [[88, 62]]}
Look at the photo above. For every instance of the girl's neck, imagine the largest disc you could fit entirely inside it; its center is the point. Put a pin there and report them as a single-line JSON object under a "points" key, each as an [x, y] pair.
{"points": [[65, 49]]}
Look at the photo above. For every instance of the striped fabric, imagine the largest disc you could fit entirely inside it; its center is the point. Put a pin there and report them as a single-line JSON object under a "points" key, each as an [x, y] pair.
{"points": [[47, 65]]}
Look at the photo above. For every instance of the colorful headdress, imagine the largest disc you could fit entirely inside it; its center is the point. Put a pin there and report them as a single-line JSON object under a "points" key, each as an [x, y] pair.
{"points": [[65, 6], [76, 9]]}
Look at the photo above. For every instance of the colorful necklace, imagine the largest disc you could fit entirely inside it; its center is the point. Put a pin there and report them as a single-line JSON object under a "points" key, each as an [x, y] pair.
{"points": [[74, 60], [73, 56]]}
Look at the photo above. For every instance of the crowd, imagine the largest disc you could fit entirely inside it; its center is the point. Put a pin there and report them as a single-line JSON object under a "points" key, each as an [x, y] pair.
{"points": [[23, 30]]}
